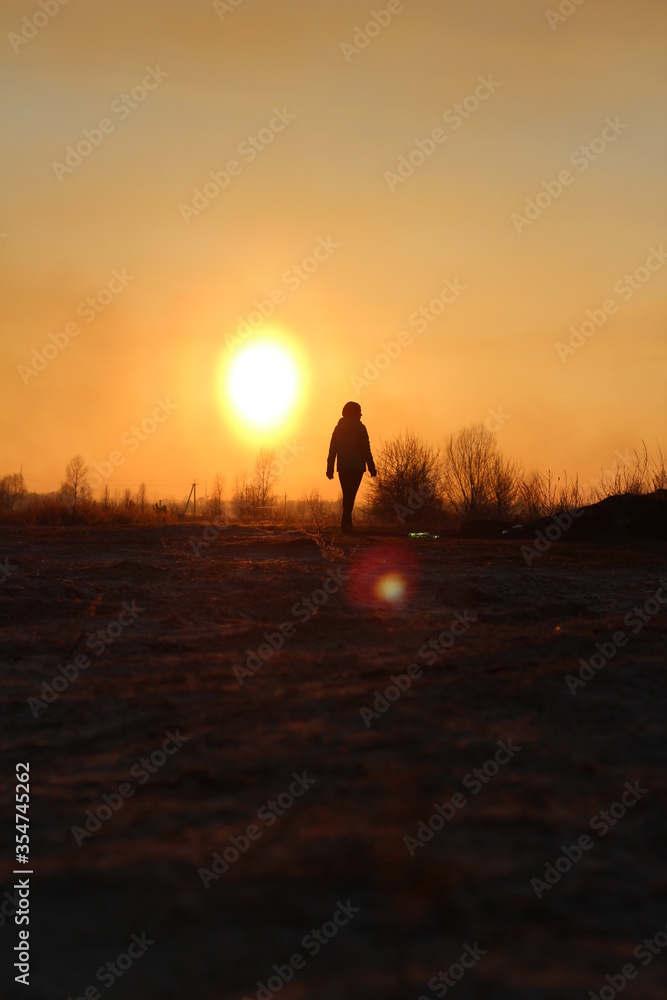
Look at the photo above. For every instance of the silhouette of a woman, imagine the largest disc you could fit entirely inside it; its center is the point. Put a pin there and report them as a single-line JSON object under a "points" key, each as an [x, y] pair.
{"points": [[351, 445]]}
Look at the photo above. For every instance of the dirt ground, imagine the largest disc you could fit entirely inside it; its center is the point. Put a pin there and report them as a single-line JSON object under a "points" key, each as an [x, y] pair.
{"points": [[185, 612]]}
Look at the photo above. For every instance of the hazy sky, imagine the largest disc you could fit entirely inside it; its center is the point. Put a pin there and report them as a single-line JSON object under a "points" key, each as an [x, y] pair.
{"points": [[488, 103]]}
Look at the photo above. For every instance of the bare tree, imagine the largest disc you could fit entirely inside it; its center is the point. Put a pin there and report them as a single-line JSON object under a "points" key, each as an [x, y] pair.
{"points": [[469, 463], [504, 479], [243, 498], [76, 486], [532, 497], [252, 497], [12, 490], [314, 505], [408, 480], [217, 492], [140, 496], [266, 476]]}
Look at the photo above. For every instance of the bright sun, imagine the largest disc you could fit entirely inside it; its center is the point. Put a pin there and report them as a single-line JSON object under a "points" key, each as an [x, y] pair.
{"points": [[263, 383]]}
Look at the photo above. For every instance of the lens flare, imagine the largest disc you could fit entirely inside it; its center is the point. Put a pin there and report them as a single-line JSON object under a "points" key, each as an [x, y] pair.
{"points": [[384, 577], [391, 587]]}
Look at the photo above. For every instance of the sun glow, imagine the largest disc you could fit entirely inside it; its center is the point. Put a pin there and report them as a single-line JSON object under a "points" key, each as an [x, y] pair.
{"points": [[263, 384]]}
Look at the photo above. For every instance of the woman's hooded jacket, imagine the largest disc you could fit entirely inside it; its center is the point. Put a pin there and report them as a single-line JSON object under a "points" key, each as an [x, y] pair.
{"points": [[351, 445]]}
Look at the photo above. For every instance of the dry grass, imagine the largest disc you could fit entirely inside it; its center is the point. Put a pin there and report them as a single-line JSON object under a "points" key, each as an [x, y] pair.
{"points": [[532, 497], [54, 510]]}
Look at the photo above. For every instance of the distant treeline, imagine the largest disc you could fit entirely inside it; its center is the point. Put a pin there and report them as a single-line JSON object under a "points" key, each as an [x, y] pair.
{"points": [[417, 484]]}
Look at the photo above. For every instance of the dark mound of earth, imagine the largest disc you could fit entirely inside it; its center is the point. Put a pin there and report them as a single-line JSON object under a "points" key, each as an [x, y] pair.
{"points": [[617, 517]]}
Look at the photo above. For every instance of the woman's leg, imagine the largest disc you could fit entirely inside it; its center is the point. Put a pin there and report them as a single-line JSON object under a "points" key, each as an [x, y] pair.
{"points": [[349, 483]]}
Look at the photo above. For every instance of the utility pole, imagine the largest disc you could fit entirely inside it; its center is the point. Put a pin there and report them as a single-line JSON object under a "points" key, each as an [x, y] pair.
{"points": [[193, 490]]}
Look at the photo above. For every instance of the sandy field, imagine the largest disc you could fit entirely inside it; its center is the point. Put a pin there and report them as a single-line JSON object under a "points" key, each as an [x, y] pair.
{"points": [[222, 765]]}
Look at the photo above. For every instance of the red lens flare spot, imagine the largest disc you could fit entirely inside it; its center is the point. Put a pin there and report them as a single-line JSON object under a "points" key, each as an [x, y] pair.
{"points": [[391, 587], [383, 576]]}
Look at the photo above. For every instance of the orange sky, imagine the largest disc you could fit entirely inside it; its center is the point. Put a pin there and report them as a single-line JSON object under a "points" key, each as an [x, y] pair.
{"points": [[487, 103]]}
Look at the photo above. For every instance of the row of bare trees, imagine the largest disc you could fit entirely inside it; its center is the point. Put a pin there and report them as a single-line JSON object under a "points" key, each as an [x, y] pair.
{"points": [[251, 496], [469, 477]]}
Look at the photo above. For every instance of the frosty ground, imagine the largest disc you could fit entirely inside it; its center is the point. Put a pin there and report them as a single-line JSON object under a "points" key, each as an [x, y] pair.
{"points": [[171, 739]]}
